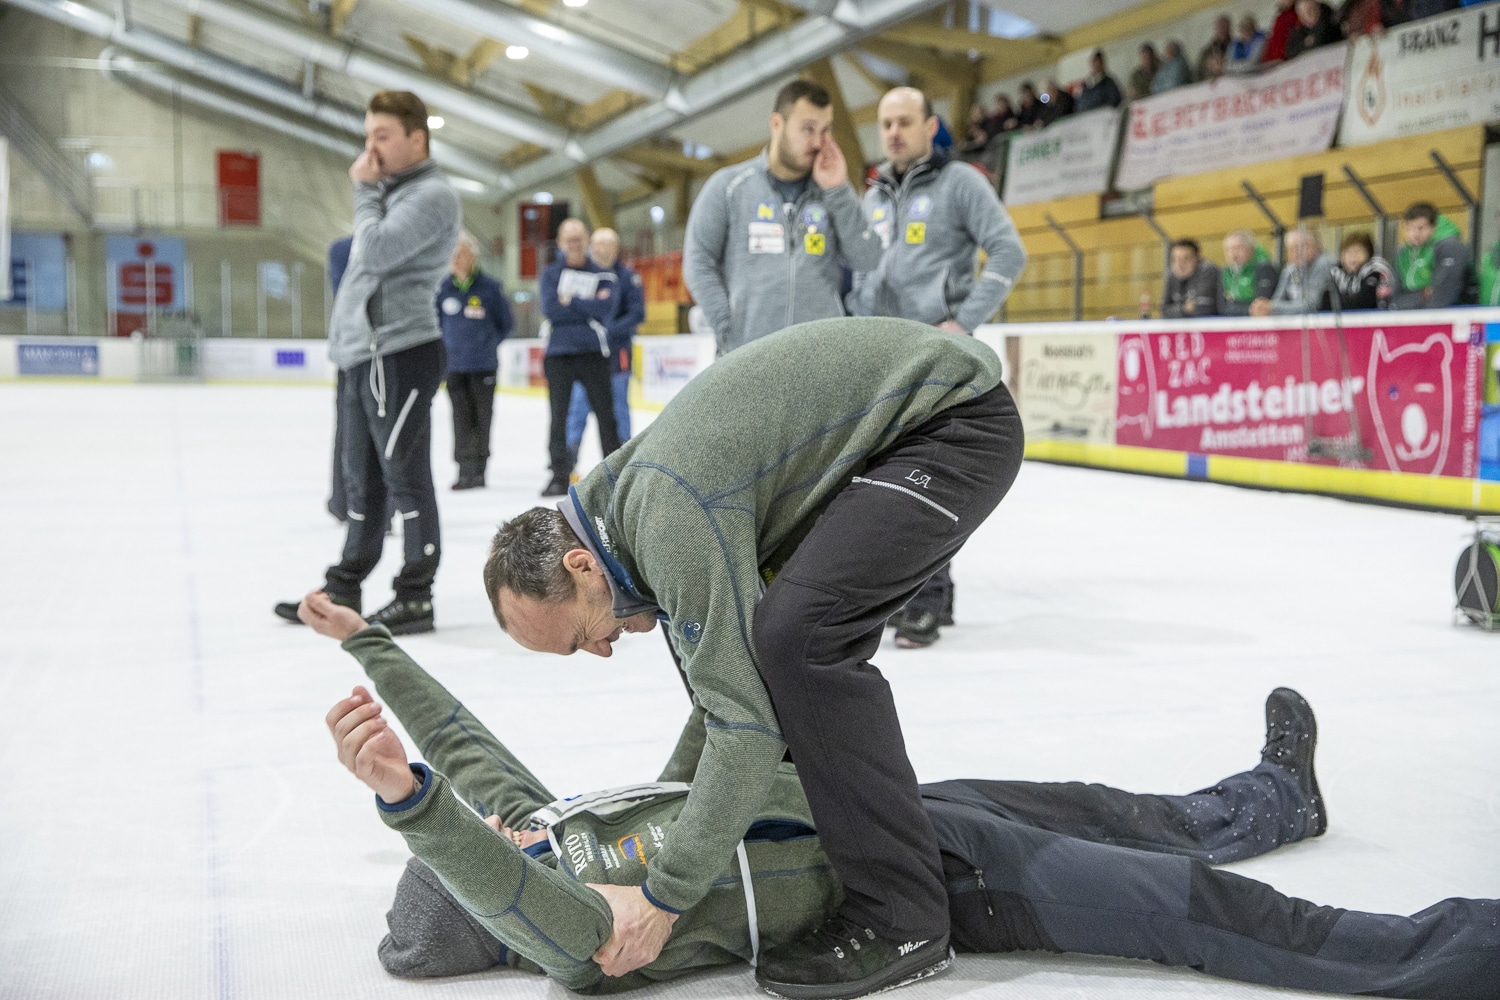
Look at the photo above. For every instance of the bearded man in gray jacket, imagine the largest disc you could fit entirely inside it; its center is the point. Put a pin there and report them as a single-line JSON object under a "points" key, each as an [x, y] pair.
{"points": [[765, 238], [932, 214], [385, 339]]}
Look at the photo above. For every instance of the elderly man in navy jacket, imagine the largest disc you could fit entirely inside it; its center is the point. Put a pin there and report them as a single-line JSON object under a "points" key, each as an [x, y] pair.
{"points": [[474, 317], [578, 298], [604, 250]]}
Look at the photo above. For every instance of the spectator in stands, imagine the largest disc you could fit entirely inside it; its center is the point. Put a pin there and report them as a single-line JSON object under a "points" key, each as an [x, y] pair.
{"points": [[1057, 102], [1003, 117], [1174, 72], [1247, 275], [1359, 17], [1213, 68], [1489, 272], [979, 133], [1029, 111], [1192, 287], [1362, 280], [1248, 47], [1394, 12], [1307, 273], [1218, 45], [1316, 26], [1433, 264], [1144, 72], [1281, 30], [1100, 90]]}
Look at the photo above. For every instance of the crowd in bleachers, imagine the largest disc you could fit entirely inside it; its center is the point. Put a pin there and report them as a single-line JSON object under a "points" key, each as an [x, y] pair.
{"points": [[1295, 27]]}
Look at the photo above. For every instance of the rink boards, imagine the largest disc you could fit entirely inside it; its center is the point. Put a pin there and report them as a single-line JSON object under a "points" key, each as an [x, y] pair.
{"points": [[1397, 407]]}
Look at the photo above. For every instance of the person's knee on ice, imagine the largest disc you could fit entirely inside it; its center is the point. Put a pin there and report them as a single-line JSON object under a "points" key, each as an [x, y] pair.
{"points": [[431, 934]]}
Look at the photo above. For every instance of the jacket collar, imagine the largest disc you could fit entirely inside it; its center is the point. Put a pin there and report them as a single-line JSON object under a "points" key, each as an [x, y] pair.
{"points": [[626, 599], [391, 183], [920, 172]]}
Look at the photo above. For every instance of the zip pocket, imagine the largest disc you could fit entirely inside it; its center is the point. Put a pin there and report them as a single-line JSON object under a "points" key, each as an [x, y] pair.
{"points": [[911, 493]]}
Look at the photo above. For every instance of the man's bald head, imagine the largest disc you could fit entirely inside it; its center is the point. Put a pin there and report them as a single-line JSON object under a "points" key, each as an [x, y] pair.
{"points": [[907, 127], [573, 241], [604, 247]]}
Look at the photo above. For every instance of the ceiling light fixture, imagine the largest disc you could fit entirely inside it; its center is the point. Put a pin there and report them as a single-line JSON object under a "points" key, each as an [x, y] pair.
{"points": [[516, 52], [435, 121]]}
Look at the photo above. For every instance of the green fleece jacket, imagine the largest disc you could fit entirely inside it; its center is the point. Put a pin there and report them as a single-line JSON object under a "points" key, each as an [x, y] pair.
{"points": [[539, 907], [696, 512]]}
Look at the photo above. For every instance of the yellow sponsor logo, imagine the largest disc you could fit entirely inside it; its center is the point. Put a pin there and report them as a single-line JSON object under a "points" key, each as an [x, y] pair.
{"points": [[916, 232], [815, 244], [765, 212]]}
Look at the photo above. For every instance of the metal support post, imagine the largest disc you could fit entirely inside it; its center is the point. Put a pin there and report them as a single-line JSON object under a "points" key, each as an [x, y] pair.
{"points": [[226, 301], [1166, 241], [1062, 234], [1373, 204], [297, 300], [72, 294], [1470, 202], [1278, 228], [28, 271], [260, 304]]}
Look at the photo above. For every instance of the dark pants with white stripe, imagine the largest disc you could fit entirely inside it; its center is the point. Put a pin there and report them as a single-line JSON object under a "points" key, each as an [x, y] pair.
{"points": [[1095, 870], [388, 447], [881, 538]]}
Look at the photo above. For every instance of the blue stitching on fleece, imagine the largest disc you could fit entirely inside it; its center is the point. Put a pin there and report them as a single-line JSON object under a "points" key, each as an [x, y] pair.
{"points": [[515, 907], [818, 477], [827, 429], [540, 795], [742, 726]]}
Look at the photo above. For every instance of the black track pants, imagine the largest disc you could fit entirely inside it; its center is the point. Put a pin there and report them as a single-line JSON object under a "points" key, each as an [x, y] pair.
{"points": [[820, 621], [1094, 870], [388, 446], [592, 370], [473, 397]]}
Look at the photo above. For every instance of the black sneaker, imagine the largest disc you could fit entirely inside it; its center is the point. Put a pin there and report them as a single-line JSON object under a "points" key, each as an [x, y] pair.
{"points": [[841, 959], [468, 483], [946, 618], [917, 630], [288, 609], [1291, 738], [556, 487], [404, 617]]}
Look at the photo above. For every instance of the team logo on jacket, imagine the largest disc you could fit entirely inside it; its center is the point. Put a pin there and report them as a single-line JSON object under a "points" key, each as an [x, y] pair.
{"points": [[815, 244], [633, 848], [916, 232], [451, 306], [921, 207], [814, 215], [692, 631], [765, 212]]}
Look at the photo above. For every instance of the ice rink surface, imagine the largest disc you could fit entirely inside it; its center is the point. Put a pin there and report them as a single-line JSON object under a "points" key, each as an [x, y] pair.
{"points": [[174, 823]]}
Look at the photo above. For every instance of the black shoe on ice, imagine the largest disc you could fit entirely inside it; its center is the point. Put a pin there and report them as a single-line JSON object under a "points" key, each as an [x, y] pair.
{"points": [[556, 487], [841, 960], [1291, 738], [404, 617], [287, 610], [917, 630]]}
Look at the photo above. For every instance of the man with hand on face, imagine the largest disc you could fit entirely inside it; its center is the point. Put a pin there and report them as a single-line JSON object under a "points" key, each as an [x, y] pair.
{"points": [[384, 338], [630, 312], [765, 238], [578, 298], [932, 215]]}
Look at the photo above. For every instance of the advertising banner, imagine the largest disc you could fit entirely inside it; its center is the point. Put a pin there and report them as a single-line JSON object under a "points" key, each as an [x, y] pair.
{"points": [[1287, 111], [1071, 156], [1424, 76], [521, 363], [144, 274], [669, 363], [38, 271], [1401, 398], [238, 177], [1066, 388], [57, 357]]}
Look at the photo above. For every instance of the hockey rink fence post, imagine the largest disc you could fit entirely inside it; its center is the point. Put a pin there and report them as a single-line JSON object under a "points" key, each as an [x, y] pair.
{"points": [[1077, 251], [1471, 204], [1278, 228]]}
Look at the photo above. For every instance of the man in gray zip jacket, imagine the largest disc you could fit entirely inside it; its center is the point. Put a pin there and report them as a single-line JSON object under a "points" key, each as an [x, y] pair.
{"points": [[385, 339], [931, 215], [765, 238]]}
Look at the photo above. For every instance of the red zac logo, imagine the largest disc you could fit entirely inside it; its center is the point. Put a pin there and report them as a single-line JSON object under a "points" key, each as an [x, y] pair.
{"points": [[1412, 412]]}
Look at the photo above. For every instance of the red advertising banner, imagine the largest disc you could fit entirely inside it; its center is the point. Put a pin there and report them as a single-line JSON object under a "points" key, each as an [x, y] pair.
{"points": [[1403, 398], [239, 188]]}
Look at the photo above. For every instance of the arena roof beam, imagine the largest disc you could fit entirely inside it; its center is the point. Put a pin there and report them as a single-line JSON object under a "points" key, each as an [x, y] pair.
{"points": [[581, 54], [776, 56], [342, 57], [232, 76]]}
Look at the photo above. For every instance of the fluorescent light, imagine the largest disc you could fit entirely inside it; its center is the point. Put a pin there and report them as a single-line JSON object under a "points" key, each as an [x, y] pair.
{"points": [[435, 121], [468, 184], [542, 198], [574, 3], [658, 214], [516, 52]]}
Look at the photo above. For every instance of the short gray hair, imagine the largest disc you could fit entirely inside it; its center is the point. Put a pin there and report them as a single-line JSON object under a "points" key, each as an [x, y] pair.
{"points": [[526, 558], [468, 239]]}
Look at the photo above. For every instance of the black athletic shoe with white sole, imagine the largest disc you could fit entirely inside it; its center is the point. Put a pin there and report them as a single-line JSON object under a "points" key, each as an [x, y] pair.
{"points": [[404, 617], [917, 630], [288, 609], [1291, 738], [841, 960]]}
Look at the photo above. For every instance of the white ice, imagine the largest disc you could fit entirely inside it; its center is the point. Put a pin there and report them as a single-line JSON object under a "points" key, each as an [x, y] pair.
{"points": [[174, 824]]}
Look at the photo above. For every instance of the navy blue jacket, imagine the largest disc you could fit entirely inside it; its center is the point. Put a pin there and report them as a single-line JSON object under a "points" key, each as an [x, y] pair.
{"points": [[338, 261], [629, 314], [473, 322], [579, 327]]}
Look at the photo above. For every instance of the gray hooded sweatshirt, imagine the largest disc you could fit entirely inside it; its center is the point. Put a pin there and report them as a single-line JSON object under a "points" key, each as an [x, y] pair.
{"points": [[405, 229], [755, 268], [931, 222]]}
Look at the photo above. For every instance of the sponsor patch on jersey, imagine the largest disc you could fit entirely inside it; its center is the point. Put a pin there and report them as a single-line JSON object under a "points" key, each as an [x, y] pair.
{"points": [[633, 848], [916, 232], [815, 244], [814, 215], [878, 214], [767, 237], [765, 212], [451, 306], [474, 309], [692, 631], [921, 207]]}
